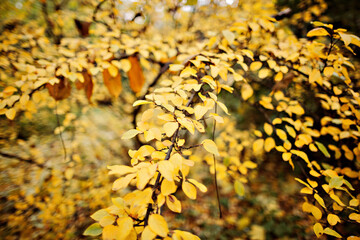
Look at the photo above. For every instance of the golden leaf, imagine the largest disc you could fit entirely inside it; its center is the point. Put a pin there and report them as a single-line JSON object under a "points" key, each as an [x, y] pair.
{"points": [[189, 190], [173, 203], [158, 225], [317, 32], [210, 146]]}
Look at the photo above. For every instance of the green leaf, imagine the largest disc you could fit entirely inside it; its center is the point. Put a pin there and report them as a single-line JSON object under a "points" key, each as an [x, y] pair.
{"points": [[239, 188], [93, 230], [336, 182], [99, 214], [323, 149]]}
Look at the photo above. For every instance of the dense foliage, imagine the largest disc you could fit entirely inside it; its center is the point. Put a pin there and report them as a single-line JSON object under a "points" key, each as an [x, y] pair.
{"points": [[215, 101]]}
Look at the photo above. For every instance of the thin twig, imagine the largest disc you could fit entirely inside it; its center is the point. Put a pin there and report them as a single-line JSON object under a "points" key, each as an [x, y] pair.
{"points": [[60, 131], [167, 157], [215, 175], [97, 8], [27, 160]]}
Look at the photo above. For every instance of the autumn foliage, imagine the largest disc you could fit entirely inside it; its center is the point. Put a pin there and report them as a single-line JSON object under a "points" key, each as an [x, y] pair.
{"points": [[176, 103]]}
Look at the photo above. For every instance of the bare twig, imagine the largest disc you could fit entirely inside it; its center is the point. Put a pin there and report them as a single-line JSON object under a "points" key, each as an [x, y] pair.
{"points": [[167, 157], [27, 160], [97, 8]]}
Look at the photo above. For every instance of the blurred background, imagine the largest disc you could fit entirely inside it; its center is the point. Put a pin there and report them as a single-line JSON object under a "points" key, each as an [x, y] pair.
{"points": [[46, 196]]}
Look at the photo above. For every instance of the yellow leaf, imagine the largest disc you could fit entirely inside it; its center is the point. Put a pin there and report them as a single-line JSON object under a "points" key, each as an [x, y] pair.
{"points": [[173, 203], [210, 146], [209, 80], [113, 71], [9, 90], [107, 220], [189, 190], [258, 145], [200, 111], [125, 65], [316, 32], [123, 182], [269, 144], [188, 71], [333, 219], [130, 134], [315, 76], [254, 66], [353, 238], [199, 126], [176, 67], [301, 154], [158, 225], [355, 217], [10, 113], [290, 131], [170, 128], [281, 133], [147, 234], [168, 187], [140, 102], [246, 91], [346, 38], [166, 168], [278, 77], [126, 226], [331, 232], [98, 215], [184, 235], [200, 186], [328, 71], [230, 36], [268, 129], [188, 124], [263, 73], [318, 229], [316, 212], [223, 107], [111, 232], [143, 177], [286, 156], [337, 199], [319, 200], [157, 155], [120, 169]]}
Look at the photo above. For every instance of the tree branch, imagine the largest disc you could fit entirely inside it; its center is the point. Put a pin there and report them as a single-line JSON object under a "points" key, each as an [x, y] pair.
{"points": [[27, 160]]}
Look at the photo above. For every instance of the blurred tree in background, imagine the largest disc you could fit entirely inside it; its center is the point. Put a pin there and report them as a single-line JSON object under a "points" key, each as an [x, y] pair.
{"points": [[151, 116]]}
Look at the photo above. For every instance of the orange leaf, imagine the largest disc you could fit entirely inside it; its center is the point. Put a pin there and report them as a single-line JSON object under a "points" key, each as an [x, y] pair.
{"points": [[61, 90], [88, 85], [135, 74], [113, 84]]}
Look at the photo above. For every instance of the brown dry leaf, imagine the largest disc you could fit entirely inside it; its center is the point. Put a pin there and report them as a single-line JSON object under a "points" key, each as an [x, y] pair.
{"points": [[136, 76], [88, 85], [61, 90], [113, 84]]}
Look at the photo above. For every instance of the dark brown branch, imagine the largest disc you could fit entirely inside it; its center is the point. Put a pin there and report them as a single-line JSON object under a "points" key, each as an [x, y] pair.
{"points": [[49, 23], [97, 8], [21, 159], [283, 14], [30, 94], [167, 157]]}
